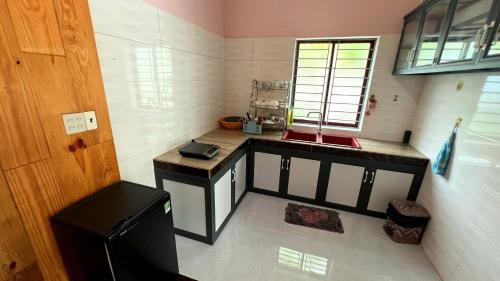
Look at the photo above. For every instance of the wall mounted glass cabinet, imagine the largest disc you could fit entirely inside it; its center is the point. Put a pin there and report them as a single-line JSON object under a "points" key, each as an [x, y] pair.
{"points": [[450, 36]]}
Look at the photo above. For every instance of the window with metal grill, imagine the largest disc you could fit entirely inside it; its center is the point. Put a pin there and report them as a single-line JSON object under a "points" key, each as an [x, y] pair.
{"points": [[331, 77]]}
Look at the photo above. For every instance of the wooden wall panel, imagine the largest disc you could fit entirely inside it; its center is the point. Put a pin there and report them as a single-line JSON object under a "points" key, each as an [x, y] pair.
{"points": [[19, 124], [47, 71], [17, 259], [81, 53], [46, 74], [36, 26], [44, 188]]}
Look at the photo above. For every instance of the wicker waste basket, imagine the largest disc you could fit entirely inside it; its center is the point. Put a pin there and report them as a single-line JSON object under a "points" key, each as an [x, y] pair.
{"points": [[406, 221]]}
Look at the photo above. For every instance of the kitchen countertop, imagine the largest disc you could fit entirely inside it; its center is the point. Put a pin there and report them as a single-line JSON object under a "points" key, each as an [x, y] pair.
{"points": [[231, 140]]}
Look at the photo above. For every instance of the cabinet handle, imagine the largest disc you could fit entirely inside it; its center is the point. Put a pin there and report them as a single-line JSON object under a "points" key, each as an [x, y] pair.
{"points": [[282, 163], [288, 164], [477, 39], [409, 56], [373, 177], [484, 36], [366, 174], [495, 34], [234, 176]]}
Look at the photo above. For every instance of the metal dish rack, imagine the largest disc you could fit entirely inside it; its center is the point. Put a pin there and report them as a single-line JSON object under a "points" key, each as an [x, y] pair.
{"points": [[277, 90]]}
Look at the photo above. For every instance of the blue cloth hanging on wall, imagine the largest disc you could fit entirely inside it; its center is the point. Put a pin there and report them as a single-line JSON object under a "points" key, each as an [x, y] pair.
{"points": [[440, 165]]}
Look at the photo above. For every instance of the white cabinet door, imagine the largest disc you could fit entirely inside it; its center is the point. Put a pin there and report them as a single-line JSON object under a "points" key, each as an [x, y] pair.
{"points": [[222, 194], [267, 171], [240, 173], [188, 206], [303, 177], [344, 184], [388, 185]]}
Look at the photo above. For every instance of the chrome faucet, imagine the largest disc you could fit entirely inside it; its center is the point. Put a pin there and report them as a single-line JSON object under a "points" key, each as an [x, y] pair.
{"points": [[320, 119]]}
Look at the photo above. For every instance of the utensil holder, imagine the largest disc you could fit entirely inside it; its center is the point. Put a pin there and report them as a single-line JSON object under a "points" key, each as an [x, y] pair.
{"points": [[251, 127]]}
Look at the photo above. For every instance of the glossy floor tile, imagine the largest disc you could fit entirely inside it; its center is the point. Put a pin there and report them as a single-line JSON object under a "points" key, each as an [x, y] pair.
{"points": [[258, 245]]}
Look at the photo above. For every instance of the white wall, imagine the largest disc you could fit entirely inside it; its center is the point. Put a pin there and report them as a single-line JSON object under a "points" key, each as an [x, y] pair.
{"points": [[254, 58], [164, 81], [462, 240], [272, 58]]}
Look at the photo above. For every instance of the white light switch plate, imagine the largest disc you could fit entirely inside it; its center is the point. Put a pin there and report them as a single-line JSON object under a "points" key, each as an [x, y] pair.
{"points": [[74, 123], [90, 120]]}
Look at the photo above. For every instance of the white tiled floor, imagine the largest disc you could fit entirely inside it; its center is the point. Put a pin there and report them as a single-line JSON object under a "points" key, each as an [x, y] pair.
{"points": [[258, 245]]}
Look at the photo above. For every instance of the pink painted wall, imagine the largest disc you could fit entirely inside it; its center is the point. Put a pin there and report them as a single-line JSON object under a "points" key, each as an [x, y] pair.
{"points": [[314, 18], [298, 18], [208, 14]]}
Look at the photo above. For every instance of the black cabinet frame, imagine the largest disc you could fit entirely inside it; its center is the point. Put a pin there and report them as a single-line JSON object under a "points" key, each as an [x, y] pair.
{"points": [[208, 184], [324, 176], [326, 160], [478, 63]]}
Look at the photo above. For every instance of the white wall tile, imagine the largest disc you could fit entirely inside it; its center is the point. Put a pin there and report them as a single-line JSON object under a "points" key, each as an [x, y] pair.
{"points": [[274, 48], [209, 44], [272, 70], [239, 48], [128, 60], [130, 19], [254, 58], [239, 71], [462, 238], [177, 33], [164, 84]]}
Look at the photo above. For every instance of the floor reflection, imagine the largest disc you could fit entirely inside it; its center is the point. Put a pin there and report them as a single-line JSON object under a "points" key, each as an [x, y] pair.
{"points": [[302, 261]]}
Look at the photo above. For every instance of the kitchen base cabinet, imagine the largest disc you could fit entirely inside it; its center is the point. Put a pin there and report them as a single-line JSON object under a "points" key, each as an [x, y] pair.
{"points": [[240, 178], [303, 177], [344, 184], [388, 185], [201, 206], [222, 198], [203, 203], [188, 201], [354, 185], [267, 171]]}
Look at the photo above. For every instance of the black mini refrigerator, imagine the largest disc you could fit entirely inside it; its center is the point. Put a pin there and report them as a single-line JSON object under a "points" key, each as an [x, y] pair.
{"points": [[123, 233]]}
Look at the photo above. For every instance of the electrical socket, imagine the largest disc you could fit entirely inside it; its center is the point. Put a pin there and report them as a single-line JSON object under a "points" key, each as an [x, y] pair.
{"points": [[90, 120]]}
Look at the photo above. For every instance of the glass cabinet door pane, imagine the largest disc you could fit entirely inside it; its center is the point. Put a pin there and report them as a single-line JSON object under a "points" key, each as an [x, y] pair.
{"points": [[408, 41], [431, 31], [469, 19]]}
